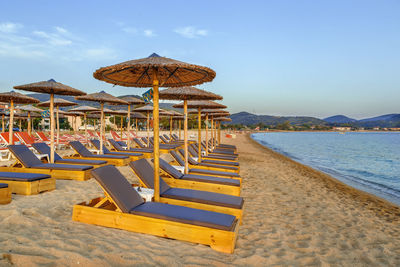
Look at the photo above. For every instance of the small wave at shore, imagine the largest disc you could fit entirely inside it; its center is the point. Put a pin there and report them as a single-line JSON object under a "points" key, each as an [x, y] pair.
{"points": [[343, 165]]}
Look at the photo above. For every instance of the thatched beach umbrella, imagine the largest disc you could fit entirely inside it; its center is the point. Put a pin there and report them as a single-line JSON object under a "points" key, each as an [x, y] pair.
{"points": [[201, 104], [132, 101], [137, 116], [53, 88], [102, 97], [85, 110], [58, 102], [146, 109], [219, 120], [185, 94], [212, 114], [29, 109], [15, 98], [176, 116], [155, 71]]}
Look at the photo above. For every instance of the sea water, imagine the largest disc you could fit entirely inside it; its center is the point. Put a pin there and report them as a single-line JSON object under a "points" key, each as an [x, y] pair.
{"points": [[369, 161]]}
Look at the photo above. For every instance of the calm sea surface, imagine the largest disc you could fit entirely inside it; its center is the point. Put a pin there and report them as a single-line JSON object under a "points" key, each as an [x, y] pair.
{"points": [[367, 161]]}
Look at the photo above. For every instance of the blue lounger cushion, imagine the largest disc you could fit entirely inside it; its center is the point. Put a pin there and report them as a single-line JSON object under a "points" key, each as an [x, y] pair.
{"points": [[22, 177], [186, 215], [204, 197], [213, 173], [3, 185], [84, 152], [69, 167]]}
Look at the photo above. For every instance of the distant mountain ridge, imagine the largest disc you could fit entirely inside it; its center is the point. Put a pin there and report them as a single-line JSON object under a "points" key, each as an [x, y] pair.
{"points": [[339, 119], [247, 118]]}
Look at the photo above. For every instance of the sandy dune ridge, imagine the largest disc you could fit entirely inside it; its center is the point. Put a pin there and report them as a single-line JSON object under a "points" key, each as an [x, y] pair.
{"points": [[294, 216]]}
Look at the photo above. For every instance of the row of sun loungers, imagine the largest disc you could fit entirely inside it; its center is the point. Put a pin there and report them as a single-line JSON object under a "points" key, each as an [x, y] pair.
{"points": [[203, 206]]}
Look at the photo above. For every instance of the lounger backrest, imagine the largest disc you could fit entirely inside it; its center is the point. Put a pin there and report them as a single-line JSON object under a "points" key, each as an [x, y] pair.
{"points": [[178, 158], [165, 166], [96, 144], [117, 187], [163, 139], [24, 155], [6, 138], [43, 148], [166, 136], [192, 152], [137, 141], [190, 159], [25, 137], [42, 136], [145, 172], [175, 136], [115, 135], [80, 149], [115, 144]]}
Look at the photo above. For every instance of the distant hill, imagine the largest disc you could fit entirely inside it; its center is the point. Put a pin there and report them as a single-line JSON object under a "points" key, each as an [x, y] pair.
{"points": [[384, 121], [339, 119], [247, 118]]}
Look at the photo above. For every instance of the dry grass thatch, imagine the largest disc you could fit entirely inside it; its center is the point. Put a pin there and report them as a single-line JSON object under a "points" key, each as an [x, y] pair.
{"points": [[29, 108], [187, 93], [50, 87], [102, 97], [58, 102], [141, 72], [18, 98], [201, 104], [84, 109]]}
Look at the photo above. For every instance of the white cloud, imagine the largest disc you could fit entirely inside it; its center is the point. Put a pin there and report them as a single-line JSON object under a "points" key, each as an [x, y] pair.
{"points": [[53, 38], [44, 45], [191, 32], [10, 27], [149, 33]]}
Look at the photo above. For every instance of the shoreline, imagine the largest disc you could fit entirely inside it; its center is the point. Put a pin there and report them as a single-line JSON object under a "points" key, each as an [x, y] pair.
{"points": [[358, 194]]}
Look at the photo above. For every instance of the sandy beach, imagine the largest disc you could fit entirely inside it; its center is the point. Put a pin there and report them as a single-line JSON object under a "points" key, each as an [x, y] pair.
{"points": [[294, 216]]}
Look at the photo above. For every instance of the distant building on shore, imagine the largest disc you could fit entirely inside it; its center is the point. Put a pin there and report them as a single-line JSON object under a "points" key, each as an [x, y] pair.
{"points": [[342, 129]]}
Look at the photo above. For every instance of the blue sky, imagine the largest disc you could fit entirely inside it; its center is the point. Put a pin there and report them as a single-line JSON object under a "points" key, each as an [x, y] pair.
{"points": [[315, 58]]}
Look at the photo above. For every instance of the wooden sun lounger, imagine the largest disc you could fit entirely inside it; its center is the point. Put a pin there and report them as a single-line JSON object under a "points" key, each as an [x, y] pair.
{"points": [[210, 156], [208, 166], [147, 152], [213, 161], [131, 155], [196, 199], [123, 208], [209, 183], [83, 152], [27, 162], [28, 183], [43, 148], [5, 194], [178, 160]]}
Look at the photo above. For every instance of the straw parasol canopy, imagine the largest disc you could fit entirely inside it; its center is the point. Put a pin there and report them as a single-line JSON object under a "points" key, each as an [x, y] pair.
{"points": [[223, 119], [132, 101], [29, 109], [102, 97], [53, 88], [74, 114], [58, 102], [14, 97], [155, 71], [219, 120], [140, 73]]}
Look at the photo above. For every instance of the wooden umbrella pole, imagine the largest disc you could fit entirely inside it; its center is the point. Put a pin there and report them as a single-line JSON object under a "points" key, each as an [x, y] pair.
{"points": [[148, 128], [212, 133], [156, 139], [206, 134], [19, 125], [29, 122], [51, 128], [2, 124], [179, 126], [121, 120], [11, 123], [136, 128], [128, 134], [86, 135], [199, 133], [170, 128], [32, 129], [219, 132], [101, 127], [185, 133], [58, 126]]}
